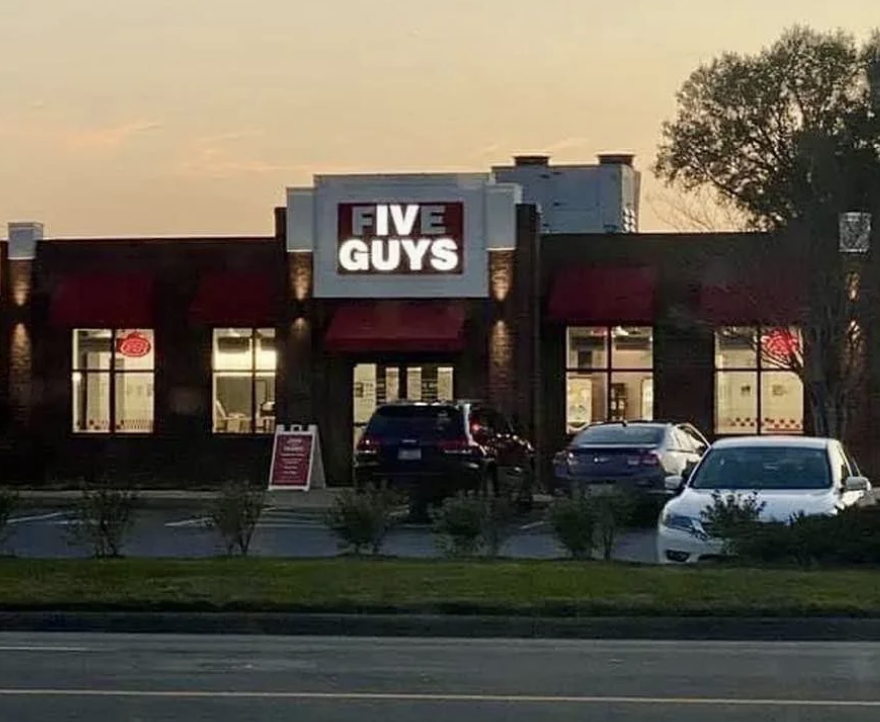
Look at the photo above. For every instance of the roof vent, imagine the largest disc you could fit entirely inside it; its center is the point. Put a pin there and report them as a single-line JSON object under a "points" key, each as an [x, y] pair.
{"points": [[616, 159], [519, 160]]}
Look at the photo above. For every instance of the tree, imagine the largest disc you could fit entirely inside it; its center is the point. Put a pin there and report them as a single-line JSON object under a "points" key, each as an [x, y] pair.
{"points": [[789, 138]]}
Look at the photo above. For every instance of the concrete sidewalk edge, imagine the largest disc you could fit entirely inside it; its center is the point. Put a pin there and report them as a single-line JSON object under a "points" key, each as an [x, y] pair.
{"points": [[449, 626], [316, 499]]}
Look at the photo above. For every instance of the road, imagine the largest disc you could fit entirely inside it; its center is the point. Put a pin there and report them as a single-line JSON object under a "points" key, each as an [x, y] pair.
{"points": [[281, 533], [221, 679]]}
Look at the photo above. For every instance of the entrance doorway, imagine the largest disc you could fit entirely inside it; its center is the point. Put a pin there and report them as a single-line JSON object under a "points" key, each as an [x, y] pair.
{"points": [[379, 383]]}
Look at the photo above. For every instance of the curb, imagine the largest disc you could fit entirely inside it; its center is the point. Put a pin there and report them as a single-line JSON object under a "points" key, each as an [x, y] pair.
{"points": [[839, 629]]}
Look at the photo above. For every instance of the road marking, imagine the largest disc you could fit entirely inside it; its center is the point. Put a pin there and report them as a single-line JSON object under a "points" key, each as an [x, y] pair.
{"points": [[38, 517], [533, 525], [25, 648], [199, 521], [428, 697]]}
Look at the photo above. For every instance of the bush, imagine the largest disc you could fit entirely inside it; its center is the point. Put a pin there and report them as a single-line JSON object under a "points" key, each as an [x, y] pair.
{"points": [[613, 511], [851, 537], [362, 519], [732, 518], [573, 522], [459, 523], [9, 500], [498, 514], [102, 518], [234, 515]]}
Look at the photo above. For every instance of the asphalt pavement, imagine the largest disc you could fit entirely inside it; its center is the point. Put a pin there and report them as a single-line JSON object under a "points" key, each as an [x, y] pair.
{"points": [[282, 532], [269, 679]]}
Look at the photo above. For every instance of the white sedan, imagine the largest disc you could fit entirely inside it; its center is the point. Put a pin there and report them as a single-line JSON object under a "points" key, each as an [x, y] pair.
{"points": [[789, 474]]}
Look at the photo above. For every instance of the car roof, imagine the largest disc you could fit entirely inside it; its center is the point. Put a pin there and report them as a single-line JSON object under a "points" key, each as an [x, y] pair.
{"points": [[806, 442]]}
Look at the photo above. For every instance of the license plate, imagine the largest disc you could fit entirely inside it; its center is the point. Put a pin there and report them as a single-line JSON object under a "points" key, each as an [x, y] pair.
{"points": [[409, 454], [601, 487]]}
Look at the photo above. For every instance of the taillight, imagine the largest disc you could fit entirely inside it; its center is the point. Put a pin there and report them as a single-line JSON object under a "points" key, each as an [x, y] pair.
{"points": [[368, 445], [457, 446], [650, 458]]}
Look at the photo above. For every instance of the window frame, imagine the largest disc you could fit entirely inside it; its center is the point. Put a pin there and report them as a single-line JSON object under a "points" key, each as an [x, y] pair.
{"points": [[112, 373], [609, 370], [759, 371], [253, 373]]}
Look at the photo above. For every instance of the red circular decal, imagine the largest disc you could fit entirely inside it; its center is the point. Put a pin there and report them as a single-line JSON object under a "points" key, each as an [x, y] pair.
{"points": [[781, 343], [133, 345]]}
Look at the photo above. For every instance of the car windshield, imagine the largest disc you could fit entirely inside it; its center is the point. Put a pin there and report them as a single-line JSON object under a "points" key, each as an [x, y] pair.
{"points": [[421, 422], [763, 467], [630, 435]]}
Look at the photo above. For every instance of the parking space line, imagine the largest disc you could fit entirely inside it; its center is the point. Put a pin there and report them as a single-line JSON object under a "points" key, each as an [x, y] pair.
{"points": [[198, 521], [37, 517], [532, 525]]}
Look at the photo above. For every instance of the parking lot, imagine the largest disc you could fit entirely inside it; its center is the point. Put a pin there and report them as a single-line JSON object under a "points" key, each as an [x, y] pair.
{"points": [[282, 532]]}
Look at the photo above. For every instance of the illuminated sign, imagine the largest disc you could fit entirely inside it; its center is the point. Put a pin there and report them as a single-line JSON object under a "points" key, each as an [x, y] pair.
{"points": [[402, 238]]}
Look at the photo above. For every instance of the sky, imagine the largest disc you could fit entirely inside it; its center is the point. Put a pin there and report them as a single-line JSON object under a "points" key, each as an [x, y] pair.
{"points": [[190, 117]]}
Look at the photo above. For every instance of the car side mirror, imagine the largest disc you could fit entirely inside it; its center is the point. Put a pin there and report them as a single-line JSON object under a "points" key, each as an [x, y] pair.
{"points": [[856, 483], [674, 483]]}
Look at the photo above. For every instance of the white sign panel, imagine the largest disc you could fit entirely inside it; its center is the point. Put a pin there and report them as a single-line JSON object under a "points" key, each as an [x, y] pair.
{"points": [[402, 236]]}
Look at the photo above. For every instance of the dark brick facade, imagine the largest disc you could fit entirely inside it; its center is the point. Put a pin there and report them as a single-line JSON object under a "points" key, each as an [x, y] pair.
{"points": [[515, 356]]}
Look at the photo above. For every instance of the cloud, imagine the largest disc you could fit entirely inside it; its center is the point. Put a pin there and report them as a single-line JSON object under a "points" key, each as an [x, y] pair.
{"points": [[211, 157], [106, 138], [215, 162], [571, 143]]}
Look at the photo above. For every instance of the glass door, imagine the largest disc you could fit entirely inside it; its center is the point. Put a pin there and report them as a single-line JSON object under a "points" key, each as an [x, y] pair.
{"points": [[379, 383]]}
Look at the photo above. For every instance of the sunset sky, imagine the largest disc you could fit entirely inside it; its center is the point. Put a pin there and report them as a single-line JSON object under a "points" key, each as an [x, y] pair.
{"points": [[141, 117]]}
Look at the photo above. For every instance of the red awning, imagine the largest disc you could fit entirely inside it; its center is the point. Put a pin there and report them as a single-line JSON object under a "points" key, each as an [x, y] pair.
{"points": [[603, 295], [776, 299], [397, 326], [236, 299], [104, 300]]}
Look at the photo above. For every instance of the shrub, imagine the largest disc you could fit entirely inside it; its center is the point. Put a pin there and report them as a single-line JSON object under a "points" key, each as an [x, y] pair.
{"points": [[732, 517], [498, 513], [459, 524], [613, 511], [851, 537], [102, 518], [234, 515], [9, 500], [362, 519], [573, 522]]}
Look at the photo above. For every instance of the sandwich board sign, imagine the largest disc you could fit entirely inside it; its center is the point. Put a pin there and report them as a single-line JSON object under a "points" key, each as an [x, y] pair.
{"points": [[296, 459]]}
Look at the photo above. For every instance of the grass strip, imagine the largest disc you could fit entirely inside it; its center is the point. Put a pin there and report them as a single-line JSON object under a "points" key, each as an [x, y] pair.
{"points": [[400, 586]]}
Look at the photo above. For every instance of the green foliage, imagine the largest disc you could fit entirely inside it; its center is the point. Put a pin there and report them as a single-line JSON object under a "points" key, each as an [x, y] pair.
{"points": [[850, 538], [498, 515], [732, 517], [614, 511], [9, 501], [458, 524], [234, 515], [588, 520], [469, 523], [573, 522], [775, 133], [102, 519], [362, 519]]}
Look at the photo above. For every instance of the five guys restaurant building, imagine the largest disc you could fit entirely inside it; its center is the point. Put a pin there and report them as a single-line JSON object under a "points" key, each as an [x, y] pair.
{"points": [[175, 358]]}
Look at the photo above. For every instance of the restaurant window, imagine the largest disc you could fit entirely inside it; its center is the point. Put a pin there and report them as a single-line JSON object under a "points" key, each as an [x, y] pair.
{"points": [[113, 376], [609, 374], [244, 362], [756, 392]]}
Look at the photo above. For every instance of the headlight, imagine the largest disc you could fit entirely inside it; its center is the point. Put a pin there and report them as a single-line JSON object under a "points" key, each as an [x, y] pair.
{"points": [[680, 522]]}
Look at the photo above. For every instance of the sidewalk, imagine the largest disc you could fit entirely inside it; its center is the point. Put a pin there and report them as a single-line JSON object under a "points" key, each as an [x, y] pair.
{"points": [[314, 500]]}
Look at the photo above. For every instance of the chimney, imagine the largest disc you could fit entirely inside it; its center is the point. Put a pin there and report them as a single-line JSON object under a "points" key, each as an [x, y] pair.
{"points": [[23, 239], [616, 159], [521, 160]]}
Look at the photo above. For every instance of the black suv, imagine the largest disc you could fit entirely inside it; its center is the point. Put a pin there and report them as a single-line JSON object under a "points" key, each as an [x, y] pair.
{"points": [[431, 450]]}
